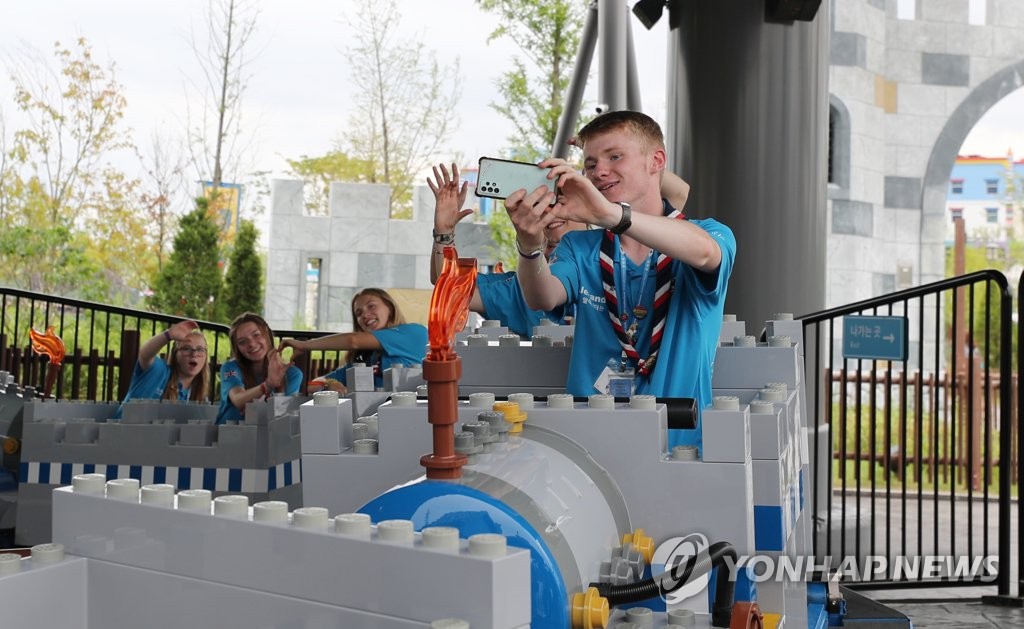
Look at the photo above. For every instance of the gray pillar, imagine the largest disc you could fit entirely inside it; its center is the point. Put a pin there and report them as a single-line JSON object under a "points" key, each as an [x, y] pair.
{"points": [[748, 121], [611, 86]]}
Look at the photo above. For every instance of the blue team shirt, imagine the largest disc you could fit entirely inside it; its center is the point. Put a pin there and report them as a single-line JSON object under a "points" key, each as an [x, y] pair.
{"points": [[404, 345], [690, 339], [231, 377], [503, 300], [149, 384]]}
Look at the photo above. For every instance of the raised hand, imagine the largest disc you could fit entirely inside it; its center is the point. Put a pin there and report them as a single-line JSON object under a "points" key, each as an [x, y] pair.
{"points": [[449, 198]]}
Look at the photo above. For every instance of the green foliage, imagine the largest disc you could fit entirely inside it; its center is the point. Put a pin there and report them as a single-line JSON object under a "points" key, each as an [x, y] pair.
{"points": [[504, 236], [319, 172], [404, 102], [983, 311], [243, 282], [861, 443], [69, 223], [189, 284], [548, 34]]}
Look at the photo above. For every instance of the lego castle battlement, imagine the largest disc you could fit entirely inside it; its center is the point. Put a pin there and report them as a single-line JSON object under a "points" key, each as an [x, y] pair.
{"points": [[157, 442]]}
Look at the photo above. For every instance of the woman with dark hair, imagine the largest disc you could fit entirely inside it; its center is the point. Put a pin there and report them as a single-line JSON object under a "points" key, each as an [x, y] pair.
{"points": [[382, 339], [184, 376], [255, 370]]}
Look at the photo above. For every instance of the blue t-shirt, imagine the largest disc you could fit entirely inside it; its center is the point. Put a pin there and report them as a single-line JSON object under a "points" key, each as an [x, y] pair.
{"points": [[694, 320], [149, 384], [404, 345], [503, 300], [231, 377]]}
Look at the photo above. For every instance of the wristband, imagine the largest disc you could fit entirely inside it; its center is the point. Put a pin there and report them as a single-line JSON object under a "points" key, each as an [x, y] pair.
{"points": [[444, 239], [167, 336], [625, 222], [532, 255]]}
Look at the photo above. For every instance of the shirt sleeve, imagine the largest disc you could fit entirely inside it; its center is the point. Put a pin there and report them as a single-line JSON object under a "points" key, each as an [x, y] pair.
{"points": [[230, 377], [293, 380], [404, 344]]}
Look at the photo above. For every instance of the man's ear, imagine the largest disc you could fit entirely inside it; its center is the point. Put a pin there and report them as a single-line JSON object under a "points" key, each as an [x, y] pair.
{"points": [[657, 160]]}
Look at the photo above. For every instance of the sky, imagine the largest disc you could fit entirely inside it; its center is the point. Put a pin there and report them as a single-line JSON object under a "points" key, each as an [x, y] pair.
{"points": [[298, 100]]}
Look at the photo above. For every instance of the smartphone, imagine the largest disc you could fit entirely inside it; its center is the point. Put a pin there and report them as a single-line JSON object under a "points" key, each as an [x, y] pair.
{"points": [[498, 178]]}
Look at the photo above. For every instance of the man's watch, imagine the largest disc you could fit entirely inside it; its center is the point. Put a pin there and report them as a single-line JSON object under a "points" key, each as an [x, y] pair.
{"points": [[626, 221], [529, 255], [444, 239]]}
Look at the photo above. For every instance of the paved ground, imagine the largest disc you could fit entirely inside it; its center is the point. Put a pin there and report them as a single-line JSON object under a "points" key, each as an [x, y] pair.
{"points": [[949, 608], [934, 608]]}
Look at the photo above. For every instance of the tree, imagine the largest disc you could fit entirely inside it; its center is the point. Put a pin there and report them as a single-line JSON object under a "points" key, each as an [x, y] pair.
{"points": [[319, 172], [504, 236], [404, 104], [189, 285], [243, 283], [1014, 181], [165, 177], [548, 33], [216, 138], [67, 224]]}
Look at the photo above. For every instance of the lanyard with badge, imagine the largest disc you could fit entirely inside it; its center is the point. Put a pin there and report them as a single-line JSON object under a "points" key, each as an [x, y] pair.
{"points": [[619, 318], [622, 377]]}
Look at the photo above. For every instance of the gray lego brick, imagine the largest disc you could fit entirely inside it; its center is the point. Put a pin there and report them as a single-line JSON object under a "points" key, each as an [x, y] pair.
{"points": [[753, 367], [525, 366]]}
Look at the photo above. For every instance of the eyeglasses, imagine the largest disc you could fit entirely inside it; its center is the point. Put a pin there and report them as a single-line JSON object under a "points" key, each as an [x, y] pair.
{"points": [[185, 349]]}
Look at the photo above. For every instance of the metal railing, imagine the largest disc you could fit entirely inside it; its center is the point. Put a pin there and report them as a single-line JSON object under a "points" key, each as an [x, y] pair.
{"points": [[919, 457], [102, 344]]}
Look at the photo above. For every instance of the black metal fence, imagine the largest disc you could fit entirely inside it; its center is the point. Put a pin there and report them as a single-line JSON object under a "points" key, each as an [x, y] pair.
{"points": [[918, 458], [102, 344]]}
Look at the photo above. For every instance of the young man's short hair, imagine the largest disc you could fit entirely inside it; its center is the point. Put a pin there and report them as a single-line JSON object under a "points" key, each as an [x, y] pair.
{"points": [[640, 125]]}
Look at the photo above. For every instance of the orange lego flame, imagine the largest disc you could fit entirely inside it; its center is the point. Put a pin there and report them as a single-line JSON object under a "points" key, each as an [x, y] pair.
{"points": [[49, 344], [449, 304]]}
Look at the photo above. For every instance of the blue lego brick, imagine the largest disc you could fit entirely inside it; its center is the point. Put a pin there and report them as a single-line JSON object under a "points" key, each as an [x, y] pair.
{"points": [[769, 528], [800, 477], [746, 586], [817, 618], [7, 481]]}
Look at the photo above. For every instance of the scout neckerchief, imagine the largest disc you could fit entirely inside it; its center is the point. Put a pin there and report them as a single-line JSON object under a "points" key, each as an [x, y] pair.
{"points": [[662, 292]]}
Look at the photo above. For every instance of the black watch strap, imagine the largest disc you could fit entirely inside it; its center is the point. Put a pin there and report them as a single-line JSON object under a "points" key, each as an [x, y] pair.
{"points": [[626, 221]]}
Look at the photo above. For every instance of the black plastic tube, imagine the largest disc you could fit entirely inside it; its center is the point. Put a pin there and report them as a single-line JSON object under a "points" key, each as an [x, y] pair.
{"points": [[677, 576]]}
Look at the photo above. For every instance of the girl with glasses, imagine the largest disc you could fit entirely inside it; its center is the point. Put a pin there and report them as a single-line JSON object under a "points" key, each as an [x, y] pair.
{"points": [[184, 376]]}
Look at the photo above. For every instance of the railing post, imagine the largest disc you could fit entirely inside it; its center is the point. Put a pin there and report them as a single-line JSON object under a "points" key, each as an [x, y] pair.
{"points": [[92, 374], [977, 415], [302, 362], [126, 361]]}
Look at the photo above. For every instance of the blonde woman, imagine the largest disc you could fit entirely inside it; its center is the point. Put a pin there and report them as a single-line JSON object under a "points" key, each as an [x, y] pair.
{"points": [[382, 339], [185, 375]]}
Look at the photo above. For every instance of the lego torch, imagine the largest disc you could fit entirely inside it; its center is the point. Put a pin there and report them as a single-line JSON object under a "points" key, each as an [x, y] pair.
{"points": [[51, 346], [449, 311]]}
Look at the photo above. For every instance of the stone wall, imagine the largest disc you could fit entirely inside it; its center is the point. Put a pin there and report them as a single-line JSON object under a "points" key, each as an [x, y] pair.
{"points": [[359, 247]]}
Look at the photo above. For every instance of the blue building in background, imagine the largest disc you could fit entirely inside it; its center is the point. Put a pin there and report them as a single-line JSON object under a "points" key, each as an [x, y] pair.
{"points": [[987, 192]]}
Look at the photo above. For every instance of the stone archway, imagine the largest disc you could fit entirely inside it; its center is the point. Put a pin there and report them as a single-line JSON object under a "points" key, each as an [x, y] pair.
{"points": [[943, 155]]}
